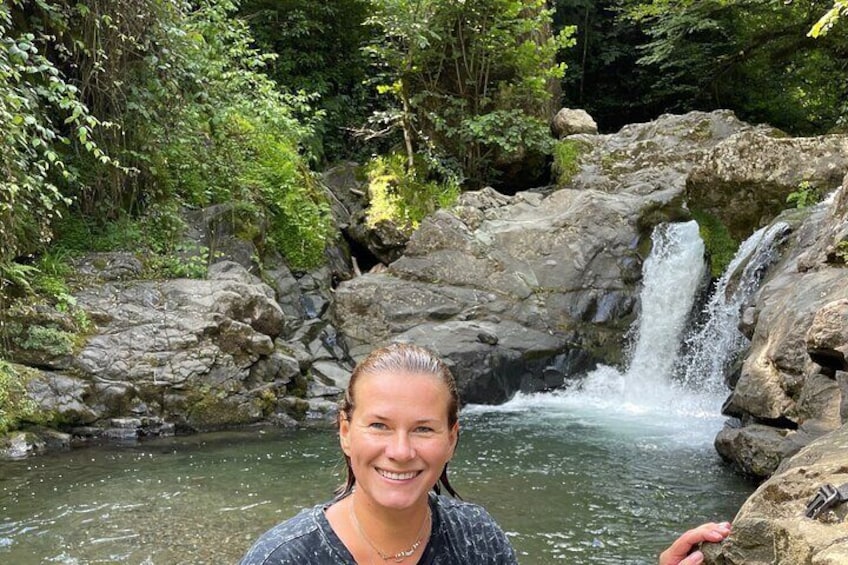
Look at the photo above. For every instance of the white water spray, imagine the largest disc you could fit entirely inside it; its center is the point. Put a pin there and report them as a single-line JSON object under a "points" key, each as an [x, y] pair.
{"points": [[712, 347], [649, 400]]}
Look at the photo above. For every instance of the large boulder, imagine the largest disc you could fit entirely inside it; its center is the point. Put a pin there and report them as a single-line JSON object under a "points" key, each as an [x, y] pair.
{"points": [[569, 121], [745, 180], [771, 527]]}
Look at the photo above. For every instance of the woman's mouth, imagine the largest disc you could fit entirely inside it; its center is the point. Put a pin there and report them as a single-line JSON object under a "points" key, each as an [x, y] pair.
{"points": [[398, 476]]}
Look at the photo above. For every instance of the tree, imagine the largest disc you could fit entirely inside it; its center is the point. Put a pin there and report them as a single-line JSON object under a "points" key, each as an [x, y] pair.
{"points": [[473, 81]]}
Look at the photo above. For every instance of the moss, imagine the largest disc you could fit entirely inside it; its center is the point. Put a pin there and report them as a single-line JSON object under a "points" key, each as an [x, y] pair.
{"points": [[720, 245], [15, 404], [567, 155], [214, 409]]}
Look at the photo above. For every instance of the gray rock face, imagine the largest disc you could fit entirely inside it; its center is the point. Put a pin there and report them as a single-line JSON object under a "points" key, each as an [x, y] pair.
{"points": [[745, 180], [789, 390], [562, 266], [771, 527]]}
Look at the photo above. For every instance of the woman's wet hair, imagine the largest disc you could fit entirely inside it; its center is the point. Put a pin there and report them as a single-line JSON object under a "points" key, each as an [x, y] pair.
{"points": [[400, 358]]}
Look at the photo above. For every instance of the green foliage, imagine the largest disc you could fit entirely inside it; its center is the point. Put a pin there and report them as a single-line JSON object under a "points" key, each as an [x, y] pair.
{"points": [[15, 404], [403, 196], [317, 48], [48, 339], [720, 245], [567, 159], [472, 81], [753, 57], [829, 19], [804, 196], [40, 115], [298, 214]]}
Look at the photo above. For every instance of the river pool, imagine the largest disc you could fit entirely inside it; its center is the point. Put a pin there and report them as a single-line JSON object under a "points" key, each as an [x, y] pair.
{"points": [[570, 483]]}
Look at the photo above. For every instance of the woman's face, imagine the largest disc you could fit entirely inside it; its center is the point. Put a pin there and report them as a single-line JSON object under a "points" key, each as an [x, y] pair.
{"points": [[398, 438]]}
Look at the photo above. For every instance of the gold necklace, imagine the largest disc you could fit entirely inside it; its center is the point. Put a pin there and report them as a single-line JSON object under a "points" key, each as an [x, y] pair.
{"points": [[400, 556]]}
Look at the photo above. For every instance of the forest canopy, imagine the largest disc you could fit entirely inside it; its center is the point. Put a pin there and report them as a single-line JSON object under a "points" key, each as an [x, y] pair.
{"points": [[113, 113]]}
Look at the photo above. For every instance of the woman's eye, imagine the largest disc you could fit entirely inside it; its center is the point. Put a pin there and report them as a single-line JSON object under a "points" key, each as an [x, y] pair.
{"points": [[424, 430], [377, 426]]}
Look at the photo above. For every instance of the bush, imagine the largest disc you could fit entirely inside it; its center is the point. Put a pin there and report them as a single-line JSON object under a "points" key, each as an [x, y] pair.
{"points": [[405, 197]]}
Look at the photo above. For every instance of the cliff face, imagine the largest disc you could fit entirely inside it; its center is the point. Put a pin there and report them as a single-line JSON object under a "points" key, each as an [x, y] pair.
{"points": [[793, 384]]}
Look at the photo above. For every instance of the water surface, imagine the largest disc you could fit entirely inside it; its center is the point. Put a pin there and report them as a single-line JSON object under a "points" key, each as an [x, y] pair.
{"points": [[568, 486]]}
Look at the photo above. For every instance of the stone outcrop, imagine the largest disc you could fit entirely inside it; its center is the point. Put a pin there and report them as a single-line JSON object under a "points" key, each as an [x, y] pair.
{"points": [[745, 180], [771, 527], [791, 388], [187, 355], [559, 269]]}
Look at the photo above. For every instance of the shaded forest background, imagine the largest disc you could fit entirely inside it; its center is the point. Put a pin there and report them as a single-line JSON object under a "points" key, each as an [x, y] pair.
{"points": [[116, 117]]}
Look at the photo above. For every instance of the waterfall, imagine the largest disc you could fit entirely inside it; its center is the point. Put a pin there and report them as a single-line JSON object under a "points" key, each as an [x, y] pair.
{"points": [[670, 276], [662, 393], [713, 347]]}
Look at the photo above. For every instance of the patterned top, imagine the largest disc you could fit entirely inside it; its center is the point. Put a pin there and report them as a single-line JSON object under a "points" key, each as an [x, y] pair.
{"points": [[462, 533]]}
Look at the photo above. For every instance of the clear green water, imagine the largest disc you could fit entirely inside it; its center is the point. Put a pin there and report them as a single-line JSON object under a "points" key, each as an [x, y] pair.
{"points": [[569, 483]]}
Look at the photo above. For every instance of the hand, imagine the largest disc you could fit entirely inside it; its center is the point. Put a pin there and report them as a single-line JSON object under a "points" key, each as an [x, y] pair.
{"points": [[678, 553]]}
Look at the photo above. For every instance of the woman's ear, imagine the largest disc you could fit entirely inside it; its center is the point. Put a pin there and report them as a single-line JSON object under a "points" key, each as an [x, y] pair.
{"points": [[344, 433]]}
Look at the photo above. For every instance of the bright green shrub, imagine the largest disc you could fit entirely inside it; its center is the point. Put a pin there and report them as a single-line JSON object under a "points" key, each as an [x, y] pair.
{"points": [[405, 197]]}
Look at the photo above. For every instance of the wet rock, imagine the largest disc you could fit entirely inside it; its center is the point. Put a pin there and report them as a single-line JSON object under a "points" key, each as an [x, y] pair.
{"points": [[771, 526], [745, 180]]}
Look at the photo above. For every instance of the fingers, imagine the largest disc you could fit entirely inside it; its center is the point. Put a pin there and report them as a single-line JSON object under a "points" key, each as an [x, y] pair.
{"points": [[678, 552]]}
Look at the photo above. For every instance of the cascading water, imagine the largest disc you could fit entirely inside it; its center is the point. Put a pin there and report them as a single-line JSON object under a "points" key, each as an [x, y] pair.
{"points": [[712, 347], [671, 276]]}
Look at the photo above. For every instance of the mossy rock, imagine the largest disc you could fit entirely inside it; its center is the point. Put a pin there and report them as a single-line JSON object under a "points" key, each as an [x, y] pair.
{"points": [[567, 154], [211, 411]]}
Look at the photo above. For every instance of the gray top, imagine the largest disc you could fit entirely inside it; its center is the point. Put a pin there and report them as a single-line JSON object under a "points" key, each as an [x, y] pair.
{"points": [[462, 533]]}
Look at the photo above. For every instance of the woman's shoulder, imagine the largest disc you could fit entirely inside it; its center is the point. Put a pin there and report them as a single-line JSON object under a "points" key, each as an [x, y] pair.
{"points": [[468, 534], [287, 539], [460, 516], [457, 509]]}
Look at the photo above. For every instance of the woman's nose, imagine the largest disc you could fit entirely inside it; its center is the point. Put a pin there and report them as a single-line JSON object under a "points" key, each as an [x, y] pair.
{"points": [[400, 447]]}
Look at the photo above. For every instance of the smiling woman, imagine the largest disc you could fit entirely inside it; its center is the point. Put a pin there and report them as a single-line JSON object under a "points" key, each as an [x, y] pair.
{"points": [[398, 429]]}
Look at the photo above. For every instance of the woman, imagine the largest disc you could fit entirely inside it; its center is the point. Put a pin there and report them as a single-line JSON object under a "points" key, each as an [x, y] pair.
{"points": [[398, 429]]}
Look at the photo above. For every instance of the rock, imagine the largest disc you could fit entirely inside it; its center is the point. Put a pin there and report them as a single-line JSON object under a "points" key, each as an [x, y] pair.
{"points": [[111, 266], [64, 397], [332, 373], [567, 122], [488, 373], [793, 374], [745, 180], [33, 441], [755, 450], [827, 338], [771, 526]]}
